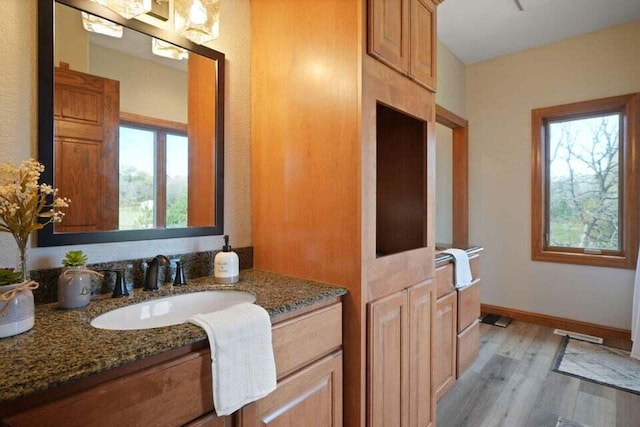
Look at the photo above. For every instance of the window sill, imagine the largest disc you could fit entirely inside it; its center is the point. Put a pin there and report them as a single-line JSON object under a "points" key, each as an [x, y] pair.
{"points": [[612, 261]]}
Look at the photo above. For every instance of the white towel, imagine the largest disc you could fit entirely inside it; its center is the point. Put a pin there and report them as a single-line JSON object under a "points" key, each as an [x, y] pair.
{"points": [[242, 364], [462, 268]]}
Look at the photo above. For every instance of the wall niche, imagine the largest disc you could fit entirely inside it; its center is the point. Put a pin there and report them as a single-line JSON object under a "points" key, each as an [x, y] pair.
{"points": [[401, 181]]}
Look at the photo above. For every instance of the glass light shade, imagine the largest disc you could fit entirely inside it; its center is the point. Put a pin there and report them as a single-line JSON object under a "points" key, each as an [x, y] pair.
{"points": [[197, 20], [101, 26], [162, 48], [126, 8]]}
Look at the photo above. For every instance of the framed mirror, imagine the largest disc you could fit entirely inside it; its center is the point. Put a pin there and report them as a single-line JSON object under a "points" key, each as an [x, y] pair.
{"points": [[130, 127]]}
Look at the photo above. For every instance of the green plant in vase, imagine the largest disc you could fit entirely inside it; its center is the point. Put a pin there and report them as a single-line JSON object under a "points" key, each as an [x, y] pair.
{"points": [[74, 283], [74, 259], [9, 276]]}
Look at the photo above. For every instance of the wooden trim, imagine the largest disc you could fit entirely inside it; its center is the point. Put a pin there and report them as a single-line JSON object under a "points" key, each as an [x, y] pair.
{"points": [[559, 322], [449, 119], [460, 181], [152, 122], [630, 107]]}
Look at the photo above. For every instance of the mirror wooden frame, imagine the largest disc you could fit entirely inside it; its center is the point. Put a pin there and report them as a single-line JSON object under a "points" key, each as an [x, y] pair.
{"points": [[46, 236]]}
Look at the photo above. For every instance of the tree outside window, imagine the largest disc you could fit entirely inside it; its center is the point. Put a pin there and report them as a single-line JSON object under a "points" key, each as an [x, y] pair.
{"points": [[153, 177]]}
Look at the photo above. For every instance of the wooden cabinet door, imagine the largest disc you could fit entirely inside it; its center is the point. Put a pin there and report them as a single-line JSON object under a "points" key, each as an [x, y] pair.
{"points": [[388, 32], [422, 402], [445, 343], [311, 397], [388, 367], [422, 62], [86, 115]]}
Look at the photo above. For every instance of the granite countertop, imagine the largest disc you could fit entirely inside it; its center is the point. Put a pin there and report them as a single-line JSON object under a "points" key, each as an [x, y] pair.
{"points": [[444, 257], [63, 346]]}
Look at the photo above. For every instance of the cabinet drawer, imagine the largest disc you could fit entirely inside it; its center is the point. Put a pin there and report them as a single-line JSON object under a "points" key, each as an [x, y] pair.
{"points": [[302, 340], [311, 397], [169, 394], [468, 347], [468, 305], [444, 280]]}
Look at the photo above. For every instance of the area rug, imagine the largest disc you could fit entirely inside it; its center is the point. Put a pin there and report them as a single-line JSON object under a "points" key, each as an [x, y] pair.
{"points": [[598, 363]]}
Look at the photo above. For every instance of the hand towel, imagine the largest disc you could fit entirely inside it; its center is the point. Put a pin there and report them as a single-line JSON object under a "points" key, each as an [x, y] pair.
{"points": [[461, 267], [242, 364]]}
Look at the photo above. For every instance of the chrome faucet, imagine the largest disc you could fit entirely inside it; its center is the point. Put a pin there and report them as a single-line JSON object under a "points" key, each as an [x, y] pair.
{"points": [[151, 277]]}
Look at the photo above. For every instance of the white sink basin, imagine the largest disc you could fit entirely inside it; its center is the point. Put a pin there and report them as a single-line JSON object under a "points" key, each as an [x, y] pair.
{"points": [[170, 310]]}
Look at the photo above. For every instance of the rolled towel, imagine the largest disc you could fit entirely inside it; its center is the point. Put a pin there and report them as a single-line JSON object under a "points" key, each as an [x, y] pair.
{"points": [[462, 269], [242, 364]]}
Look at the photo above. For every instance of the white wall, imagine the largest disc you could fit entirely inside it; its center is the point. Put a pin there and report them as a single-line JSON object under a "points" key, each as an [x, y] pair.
{"points": [[159, 91], [70, 40], [452, 95], [444, 178], [501, 94], [18, 131], [452, 82]]}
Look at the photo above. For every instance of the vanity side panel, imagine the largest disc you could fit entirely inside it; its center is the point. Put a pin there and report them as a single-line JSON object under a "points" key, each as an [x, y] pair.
{"points": [[305, 156]]}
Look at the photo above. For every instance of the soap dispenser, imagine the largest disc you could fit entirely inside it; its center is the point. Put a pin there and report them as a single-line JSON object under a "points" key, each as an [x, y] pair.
{"points": [[226, 265]]}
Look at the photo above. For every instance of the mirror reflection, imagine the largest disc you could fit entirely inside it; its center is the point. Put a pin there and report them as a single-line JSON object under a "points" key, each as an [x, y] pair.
{"points": [[134, 128]]}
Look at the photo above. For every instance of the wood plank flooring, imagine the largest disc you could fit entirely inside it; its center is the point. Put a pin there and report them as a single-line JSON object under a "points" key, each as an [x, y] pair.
{"points": [[511, 384]]}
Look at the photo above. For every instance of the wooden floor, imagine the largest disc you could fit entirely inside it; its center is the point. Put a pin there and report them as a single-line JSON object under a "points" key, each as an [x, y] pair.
{"points": [[511, 385]]}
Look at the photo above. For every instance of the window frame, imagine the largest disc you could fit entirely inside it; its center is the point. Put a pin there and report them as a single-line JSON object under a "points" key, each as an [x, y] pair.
{"points": [[161, 128], [629, 107]]}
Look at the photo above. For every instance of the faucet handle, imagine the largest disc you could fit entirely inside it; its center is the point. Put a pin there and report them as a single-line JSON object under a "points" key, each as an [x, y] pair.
{"points": [[179, 278], [120, 288]]}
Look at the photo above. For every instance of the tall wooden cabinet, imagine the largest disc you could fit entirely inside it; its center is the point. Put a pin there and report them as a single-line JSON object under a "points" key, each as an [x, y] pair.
{"points": [[316, 93]]}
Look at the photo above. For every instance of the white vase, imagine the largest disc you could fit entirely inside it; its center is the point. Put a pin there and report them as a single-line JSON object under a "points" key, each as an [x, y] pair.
{"points": [[74, 287], [17, 315]]}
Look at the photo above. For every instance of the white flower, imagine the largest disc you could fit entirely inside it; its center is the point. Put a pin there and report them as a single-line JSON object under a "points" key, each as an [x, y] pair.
{"points": [[23, 200]]}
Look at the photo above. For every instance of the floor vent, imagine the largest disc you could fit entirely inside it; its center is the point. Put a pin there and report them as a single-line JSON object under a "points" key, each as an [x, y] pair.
{"points": [[578, 336]]}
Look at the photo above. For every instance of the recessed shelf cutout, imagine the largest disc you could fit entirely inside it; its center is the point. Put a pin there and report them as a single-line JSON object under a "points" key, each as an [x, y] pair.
{"points": [[401, 181]]}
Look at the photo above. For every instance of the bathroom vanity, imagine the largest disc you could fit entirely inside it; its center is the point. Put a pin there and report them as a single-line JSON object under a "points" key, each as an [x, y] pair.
{"points": [[65, 372], [457, 321]]}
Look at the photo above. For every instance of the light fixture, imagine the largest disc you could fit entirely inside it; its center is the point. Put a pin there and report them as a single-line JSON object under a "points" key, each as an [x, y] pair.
{"points": [[197, 20], [126, 8], [162, 48], [101, 26]]}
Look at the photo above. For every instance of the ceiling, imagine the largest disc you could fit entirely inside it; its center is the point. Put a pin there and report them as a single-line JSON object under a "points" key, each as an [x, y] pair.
{"points": [[476, 30]]}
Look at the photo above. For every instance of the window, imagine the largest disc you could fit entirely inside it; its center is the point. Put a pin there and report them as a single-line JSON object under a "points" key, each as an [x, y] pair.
{"points": [[584, 176], [153, 172]]}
